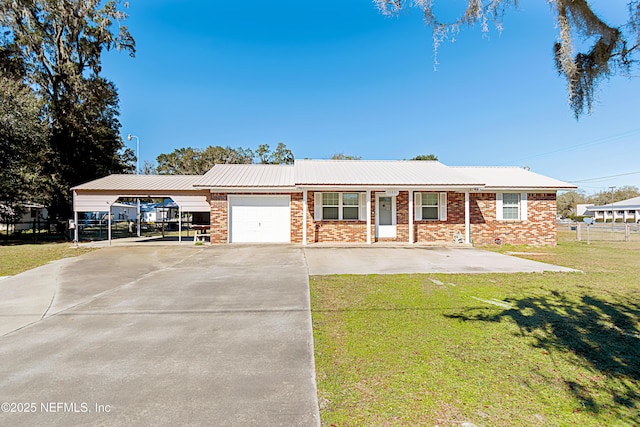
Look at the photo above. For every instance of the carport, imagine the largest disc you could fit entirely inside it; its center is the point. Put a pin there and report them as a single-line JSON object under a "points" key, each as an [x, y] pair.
{"points": [[101, 194]]}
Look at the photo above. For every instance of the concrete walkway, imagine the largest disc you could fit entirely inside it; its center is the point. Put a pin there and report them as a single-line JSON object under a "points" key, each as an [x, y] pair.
{"points": [[161, 336], [324, 260]]}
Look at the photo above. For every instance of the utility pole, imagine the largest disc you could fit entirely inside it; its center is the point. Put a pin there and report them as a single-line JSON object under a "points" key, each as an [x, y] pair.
{"points": [[613, 213]]}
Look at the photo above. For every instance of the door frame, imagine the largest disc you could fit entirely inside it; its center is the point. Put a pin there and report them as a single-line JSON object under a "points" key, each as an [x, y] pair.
{"points": [[386, 231]]}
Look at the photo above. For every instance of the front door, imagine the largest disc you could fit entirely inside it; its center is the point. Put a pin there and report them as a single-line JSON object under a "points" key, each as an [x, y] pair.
{"points": [[385, 216]]}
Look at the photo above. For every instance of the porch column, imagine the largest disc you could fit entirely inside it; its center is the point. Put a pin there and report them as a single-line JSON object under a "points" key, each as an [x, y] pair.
{"points": [[305, 209], [467, 221], [368, 217], [411, 213]]}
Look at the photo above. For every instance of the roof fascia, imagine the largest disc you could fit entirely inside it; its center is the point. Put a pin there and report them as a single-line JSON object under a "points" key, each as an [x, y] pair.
{"points": [[252, 189], [388, 187]]}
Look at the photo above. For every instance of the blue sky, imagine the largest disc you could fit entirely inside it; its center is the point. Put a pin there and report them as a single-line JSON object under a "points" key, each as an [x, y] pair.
{"points": [[337, 76]]}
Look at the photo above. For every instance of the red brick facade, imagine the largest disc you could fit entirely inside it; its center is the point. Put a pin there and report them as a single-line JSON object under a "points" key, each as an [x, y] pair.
{"points": [[539, 229]]}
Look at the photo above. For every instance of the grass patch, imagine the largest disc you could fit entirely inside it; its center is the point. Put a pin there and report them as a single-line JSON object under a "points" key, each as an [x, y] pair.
{"points": [[540, 349], [17, 258]]}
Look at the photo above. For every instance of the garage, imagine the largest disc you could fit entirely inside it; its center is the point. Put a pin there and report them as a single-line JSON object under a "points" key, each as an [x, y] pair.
{"points": [[259, 219]]}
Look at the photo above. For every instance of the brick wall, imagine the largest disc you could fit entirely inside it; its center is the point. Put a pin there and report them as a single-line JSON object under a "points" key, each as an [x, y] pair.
{"points": [[433, 231], [219, 218], [351, 231], [538, 230]]}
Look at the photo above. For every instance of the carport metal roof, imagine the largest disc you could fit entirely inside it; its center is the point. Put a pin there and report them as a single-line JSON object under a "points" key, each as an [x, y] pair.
{"points": [[124, 182], [100, 194]]}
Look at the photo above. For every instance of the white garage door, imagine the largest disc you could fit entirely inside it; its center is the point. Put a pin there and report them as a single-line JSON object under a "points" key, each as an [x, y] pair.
{"points": [[260, 219]]}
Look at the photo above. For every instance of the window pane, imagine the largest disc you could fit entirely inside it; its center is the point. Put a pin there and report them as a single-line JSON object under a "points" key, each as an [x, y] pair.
{"points": [[329, 212], [429, 212], [510, 212], [510, 199], [350, 212], [350, 199], [330, 199], [429, 199]]}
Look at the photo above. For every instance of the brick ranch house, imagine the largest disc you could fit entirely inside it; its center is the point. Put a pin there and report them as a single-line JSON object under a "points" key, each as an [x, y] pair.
{"points": [[357, 201]]}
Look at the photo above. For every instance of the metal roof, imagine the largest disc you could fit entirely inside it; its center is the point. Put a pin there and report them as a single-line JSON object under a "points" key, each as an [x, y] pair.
{"points": [[129, 182], [380, 173], [243, 175], [511, 177], [629, 204], [323, 173]]}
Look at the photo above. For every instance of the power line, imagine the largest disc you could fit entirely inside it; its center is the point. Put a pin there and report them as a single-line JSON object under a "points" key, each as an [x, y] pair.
{"points": [[604, 178], [584, 144]]}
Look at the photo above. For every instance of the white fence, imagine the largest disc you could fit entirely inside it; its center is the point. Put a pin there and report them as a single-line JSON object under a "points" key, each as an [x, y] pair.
{"points": [[612, 232]]}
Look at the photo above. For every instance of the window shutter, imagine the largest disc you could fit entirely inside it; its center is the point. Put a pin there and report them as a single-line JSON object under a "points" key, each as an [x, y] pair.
{"points": [[417, 202], [362, 206], [499, 216], [524, 214], [317, 206], [443, 206]]}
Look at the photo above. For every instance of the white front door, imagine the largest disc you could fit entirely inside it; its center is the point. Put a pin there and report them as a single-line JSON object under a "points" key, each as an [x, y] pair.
{"points": [[259, 219], [385, 216]]}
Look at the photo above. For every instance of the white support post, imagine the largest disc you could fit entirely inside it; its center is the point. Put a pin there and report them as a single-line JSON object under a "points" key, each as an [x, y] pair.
{"points": [[75, 231], [411, 214], [305, 209], [138, 216], [368, 217], [467, 220], [179, 224], [109, 225]]}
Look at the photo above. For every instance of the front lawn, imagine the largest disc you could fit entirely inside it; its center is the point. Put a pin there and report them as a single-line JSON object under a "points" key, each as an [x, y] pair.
{"points": [[549, 349], [16, 258]]}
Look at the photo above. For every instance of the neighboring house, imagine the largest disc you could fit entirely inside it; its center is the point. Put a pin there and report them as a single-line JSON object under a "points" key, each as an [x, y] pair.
{"points": [[124, 212], [32, 213], [358, 201], [624, 210], [582, 209]]}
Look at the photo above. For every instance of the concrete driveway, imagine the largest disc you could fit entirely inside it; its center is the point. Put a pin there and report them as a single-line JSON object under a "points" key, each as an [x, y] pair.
{"points": [[160, 336], [184, 335]]}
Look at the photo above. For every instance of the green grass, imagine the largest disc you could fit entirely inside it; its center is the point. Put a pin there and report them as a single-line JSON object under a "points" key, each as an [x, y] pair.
{"points": [[561, 348], [17, 258]]}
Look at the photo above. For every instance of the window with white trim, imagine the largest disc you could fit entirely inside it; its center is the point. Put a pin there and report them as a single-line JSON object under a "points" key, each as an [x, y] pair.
{"points": [[511, 206], [330, 205], [350, 202], [339, 206], [430, 206]]}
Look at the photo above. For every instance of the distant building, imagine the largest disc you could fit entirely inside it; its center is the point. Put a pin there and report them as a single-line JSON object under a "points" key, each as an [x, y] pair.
{"points": [[624, 210], [32, 213]]}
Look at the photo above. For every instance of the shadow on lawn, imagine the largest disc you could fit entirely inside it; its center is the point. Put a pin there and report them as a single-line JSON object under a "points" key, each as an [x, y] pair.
{"points": [[603, 333]]}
